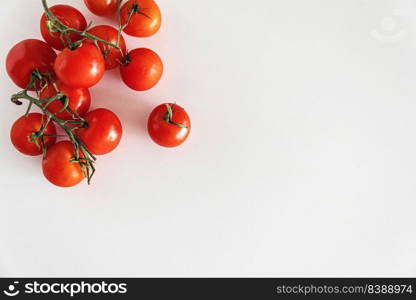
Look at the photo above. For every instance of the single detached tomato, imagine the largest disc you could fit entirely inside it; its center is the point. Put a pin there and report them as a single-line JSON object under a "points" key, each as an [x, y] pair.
{"points": [[111, 55], [82, 67], [26, 57], [103, 133], [142, 68], [70, 17], [102, 7], [169, 125], [145, 19], [24, 130], [79, 100], [58, 167]]}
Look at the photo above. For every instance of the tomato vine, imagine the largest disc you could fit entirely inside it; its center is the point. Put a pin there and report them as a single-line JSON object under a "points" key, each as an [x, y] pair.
{"points": [[40, 80], [82, 155]]}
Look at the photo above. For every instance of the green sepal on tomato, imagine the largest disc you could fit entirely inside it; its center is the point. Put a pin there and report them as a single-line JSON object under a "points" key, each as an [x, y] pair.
{"points": [[112, 56], [69, 16], [145, 17], [169, 125], [26, 57], [79, 100], [24, 134]]}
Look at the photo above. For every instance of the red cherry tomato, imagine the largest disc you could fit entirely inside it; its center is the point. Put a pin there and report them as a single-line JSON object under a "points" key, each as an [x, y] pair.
{"points": [[80, 68], [70, 17], [145, 20], [142, 69], [26, 57], [103, 133], [23, 133], [79, 100], [58, 167], [102, 7], [111, 55], [169, 125]]}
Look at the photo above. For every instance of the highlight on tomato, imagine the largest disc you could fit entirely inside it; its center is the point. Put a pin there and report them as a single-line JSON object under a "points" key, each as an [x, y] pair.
{"points": [[103, 132], [142, 69], [69, 16], [60, 166], [169, 125], [143, 17], [82, 67], [102, 8], [78, 100], [111, 55], [25, 131], [26, 57]]}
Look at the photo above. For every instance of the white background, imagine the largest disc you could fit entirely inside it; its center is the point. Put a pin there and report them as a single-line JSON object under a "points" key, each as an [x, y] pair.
{"points": [[301, 160]]}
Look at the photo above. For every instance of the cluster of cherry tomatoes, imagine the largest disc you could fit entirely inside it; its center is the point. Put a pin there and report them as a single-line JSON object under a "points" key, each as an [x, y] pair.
{"points": [[58, 85]]}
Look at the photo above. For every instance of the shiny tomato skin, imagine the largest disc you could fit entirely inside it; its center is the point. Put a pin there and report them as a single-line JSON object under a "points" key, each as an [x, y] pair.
{"points": [[143, 71], [103, 133], [102, 8], [70, 17], [79, 100], [111, 55], [144, 23], [27, 56], [80, 68], [22, 129], [58, 168], [166, 134]]}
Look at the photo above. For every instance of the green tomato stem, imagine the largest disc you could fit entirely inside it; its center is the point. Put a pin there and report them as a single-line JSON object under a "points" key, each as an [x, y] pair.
{"points": [[87, 161], [58, 26]]}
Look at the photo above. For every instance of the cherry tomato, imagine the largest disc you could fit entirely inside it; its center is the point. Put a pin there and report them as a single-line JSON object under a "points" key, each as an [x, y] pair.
{"points": [[145, 20], [26, 57], [103, 133], [23, 133], [142, 69], [80, 68], [169, 125], [79, 100], [70, 17], [111, 55], [58, 167], [102, 7]]}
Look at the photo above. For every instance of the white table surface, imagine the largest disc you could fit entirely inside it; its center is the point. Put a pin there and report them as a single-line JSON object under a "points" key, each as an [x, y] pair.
{"points": [[301, 160]]}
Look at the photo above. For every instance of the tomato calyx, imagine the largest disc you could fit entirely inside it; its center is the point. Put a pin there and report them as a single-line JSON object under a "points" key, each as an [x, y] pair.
{"points": [[75, 45], [136, 9], [52, 27], [35, 137], [126, 59], [84, 163], [36, 75], [39, 135], [58, 29], [37, 80], [106, 53], [169, 115]]}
